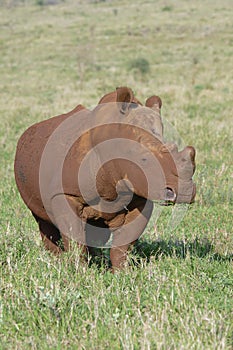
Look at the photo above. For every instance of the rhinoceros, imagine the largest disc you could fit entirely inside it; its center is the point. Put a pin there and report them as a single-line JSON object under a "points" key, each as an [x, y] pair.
{"points": [[92, 175]]}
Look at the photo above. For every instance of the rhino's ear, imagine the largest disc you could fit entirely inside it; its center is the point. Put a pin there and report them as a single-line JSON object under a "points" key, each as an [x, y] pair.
{"points": [[154, 102], [124, 94], [124, 97], [110, 97]]}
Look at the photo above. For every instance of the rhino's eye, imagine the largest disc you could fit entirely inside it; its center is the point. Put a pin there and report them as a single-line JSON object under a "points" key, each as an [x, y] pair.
{"points": [[144, 160], [123, 107], [127, 106], [154, 131]]}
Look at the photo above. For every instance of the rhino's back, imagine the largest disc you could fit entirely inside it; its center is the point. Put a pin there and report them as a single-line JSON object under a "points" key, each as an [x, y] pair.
{"points": [[28, 156]]}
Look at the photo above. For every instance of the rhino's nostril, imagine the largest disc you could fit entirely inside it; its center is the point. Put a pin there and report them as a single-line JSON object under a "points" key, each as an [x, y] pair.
{"points": [[170, 195]]}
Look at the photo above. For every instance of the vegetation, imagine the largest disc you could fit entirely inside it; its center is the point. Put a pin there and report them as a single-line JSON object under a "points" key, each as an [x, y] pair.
{"points": [[177, 292]]}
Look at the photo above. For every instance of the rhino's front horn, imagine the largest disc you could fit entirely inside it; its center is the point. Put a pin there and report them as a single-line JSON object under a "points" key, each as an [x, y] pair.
{"points": [[189, 153]]}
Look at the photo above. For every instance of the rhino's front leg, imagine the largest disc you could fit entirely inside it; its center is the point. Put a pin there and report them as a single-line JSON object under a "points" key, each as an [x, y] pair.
{"points": [[135, 223], [118, 256]]}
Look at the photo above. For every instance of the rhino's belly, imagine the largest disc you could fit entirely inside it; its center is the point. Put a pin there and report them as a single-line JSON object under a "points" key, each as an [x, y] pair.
{"points": [[90, 213]]}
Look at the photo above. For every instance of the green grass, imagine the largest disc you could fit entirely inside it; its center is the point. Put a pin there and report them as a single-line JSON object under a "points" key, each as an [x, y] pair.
{"points": [[177, 292]]}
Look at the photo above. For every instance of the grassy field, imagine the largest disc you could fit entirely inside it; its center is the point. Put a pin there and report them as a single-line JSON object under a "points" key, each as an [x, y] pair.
{"points": [[177, 292]]}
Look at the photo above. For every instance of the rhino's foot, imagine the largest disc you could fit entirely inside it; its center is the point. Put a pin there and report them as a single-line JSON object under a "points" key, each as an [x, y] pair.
{"points": [[118, 257], [49, 245], [50, 235]]}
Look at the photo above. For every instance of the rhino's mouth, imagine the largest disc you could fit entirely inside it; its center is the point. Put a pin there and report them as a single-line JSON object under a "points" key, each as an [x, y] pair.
{"points": [[188, 197]]}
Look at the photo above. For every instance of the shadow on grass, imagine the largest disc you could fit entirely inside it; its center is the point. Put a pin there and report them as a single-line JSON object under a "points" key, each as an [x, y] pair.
{"points": [[180, 249], [200, 248]]}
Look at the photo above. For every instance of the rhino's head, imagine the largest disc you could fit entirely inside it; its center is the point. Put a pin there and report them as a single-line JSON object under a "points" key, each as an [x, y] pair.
{"points": [[159, 171], [133, 135], [182, 189]]}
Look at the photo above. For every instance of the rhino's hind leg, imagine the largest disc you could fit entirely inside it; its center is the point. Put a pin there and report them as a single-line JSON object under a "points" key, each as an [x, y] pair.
{"points": [[51, 236]]}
